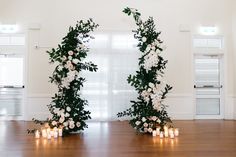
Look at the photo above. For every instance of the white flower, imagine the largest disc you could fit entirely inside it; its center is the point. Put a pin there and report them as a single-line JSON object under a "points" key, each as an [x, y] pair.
{"points": [[72, 125], [144, 39], [145, 125], [133, 10], [75, 61], [65, 83], [144, 119], [70, 53], [65, 124], [145, 129], [71, 121], [68, 108], [70, 57], [157, 106], [149, 90], [78, 124], [54, 123], [150, 130], [158, 121], [67, 115], [148, 48], [64, 58], [81, 46], [69, 65], [154, 118], [59, 68], [150, 60], [158, 77], [145, 95], [62, 111], [56, 111], [151, 85], [62, 119], [137, 123]]}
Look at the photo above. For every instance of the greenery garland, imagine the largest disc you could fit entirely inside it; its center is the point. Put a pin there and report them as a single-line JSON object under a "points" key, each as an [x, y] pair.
{"points": [[67, 107], [148, 112]]}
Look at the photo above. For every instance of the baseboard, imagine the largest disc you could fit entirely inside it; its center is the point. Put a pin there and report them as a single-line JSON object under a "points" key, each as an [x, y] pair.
{"points": [[39, 116], [181, 116]]}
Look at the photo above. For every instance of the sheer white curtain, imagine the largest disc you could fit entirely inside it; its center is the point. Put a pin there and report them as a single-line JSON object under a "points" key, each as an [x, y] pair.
{"points": [[107, 90]]}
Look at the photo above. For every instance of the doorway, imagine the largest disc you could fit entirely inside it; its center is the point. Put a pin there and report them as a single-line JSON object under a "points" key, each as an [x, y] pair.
{"points": [[12, 54], [209, 87]]}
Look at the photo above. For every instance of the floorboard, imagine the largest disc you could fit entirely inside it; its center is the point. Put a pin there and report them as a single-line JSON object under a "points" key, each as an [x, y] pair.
{"points": [[200, 138]]}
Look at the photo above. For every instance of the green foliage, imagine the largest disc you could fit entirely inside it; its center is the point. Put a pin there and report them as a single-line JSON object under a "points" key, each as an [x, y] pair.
{"points": [[148, 111], [67, 107]]}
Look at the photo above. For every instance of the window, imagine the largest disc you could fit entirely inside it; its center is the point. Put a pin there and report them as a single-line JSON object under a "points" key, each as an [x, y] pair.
{"points": [[107, 90]]}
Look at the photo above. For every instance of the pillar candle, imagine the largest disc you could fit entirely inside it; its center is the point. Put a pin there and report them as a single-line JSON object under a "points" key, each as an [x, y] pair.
{"points": [[161, 134], [166, 133], [154, 133], [37, 134], [165, 128], [172, 135], [55, 134], [49, 136], [171, 131], [158, 131], [60, 131], [44, 133], [48, 130], [176, 132], [52, 133]]}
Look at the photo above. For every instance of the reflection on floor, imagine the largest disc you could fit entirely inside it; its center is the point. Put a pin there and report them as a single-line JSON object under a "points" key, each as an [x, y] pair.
{"points": [[203, 138]]}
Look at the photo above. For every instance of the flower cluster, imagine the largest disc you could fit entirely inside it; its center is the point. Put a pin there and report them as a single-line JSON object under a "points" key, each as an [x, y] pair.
{"points": [[67, 107], [146, 125], [148, 111], [154, 94], [151, 56]]}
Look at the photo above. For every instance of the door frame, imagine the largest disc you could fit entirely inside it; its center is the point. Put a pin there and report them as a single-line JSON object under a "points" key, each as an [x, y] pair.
{"points": [[221, 95], [206, 52], [25, 74]]}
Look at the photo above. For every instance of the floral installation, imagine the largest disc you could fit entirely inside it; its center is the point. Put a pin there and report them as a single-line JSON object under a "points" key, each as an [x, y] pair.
{"points": [[67, 108], [148, 112]]}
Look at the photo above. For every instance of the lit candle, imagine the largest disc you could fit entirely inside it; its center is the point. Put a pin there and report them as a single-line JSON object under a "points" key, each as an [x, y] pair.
{"points": [[49, 136], [158, 131], [60, 131], [48, 130], [161, 134], [37, 134], [52, 133], [55, 129], [171, 131], [166, 133], [154, 133], [55, 134], [176, 132], [165, 128], [172, 135], [44, 133]]}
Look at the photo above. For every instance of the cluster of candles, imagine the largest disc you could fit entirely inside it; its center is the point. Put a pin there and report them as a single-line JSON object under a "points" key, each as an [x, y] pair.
{"points": [[168, 132], [49, 133]]}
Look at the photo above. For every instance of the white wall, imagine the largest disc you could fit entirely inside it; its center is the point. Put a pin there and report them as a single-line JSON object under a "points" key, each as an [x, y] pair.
{"points": [[234, 49], [56, 15]]}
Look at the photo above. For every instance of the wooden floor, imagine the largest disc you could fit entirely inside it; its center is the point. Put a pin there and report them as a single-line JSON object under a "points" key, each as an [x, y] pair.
{"points": [[203, 138]]}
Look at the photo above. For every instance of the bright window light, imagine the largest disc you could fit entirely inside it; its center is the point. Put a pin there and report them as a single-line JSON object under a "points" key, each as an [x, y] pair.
{"points": [[8, 28], [208, 30]]}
